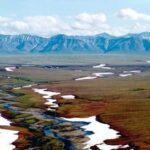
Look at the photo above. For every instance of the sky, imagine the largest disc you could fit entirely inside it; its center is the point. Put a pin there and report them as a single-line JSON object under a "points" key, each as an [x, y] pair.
{"points": [[74, 17]]}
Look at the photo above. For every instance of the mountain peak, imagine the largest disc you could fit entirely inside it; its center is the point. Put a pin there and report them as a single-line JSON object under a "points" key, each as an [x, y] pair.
{"points": [[105, 35]]}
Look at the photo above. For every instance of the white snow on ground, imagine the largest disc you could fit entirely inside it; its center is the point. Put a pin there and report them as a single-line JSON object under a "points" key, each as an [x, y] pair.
{"points": [[102, 74], [129, 73], [101, 132], [68, 97], [47, 95], [50, 101], [17, 88], [95, 75], [99, 66], [103, 66], [125, 146], [10, 69], [4, 122], [132, 71], [86, 78], [125, 75], [7, 137], [28, 86], [104, 147]]}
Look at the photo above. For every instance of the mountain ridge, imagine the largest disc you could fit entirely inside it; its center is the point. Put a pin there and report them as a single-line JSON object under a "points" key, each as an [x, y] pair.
{"points": [[61, 43]]}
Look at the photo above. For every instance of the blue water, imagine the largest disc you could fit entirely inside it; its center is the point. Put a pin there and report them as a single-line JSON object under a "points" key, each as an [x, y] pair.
{"points": [[48, 130]]}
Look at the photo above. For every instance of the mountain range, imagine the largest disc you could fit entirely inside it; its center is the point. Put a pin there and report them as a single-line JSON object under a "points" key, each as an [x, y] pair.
{"points": [[102, 43]]}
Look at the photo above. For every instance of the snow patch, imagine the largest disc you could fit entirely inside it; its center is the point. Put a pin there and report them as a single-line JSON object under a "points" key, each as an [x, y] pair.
{"points": [[68, 97], [17, 88], [103, 66], [48, 95], [102, 74], [10, 69], [28, 86], [125, 75], [100, 133], [86, 78], [7, 137], [4, 122], [132, 71]]}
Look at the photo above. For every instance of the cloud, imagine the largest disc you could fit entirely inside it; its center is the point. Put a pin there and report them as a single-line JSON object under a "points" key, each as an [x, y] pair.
{"points": [[85, 23], [91, 18], [11, 26], [82, 24], [128, 13], [46, 25], [38, 25], [4, 19]]}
